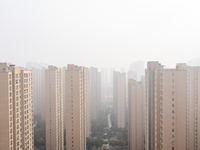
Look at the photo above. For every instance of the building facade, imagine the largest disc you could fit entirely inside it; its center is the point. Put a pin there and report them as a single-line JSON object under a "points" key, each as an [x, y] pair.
{"points": [[16, 108], [75, 88], [88, 102], [136, 114], [171, 107], [54, 108], [39, 92], [95, 77], [119, 98]]}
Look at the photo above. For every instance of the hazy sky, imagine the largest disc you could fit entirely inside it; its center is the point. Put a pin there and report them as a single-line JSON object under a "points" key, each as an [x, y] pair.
{"points": [[102, 33]]}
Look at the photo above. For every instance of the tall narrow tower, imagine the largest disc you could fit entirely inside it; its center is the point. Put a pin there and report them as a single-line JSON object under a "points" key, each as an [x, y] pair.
{"points": [[119, 98], [54, 108], [75, 86], [136, 114]]}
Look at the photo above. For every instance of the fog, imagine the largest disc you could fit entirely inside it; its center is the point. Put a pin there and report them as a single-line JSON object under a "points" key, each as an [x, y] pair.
{"points": [[100, 33]]}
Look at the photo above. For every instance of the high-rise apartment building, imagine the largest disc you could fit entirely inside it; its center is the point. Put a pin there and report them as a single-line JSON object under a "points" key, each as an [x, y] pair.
{"points": [[39, 92], [16, 108], [54, 108], [111, 76], [64, 97], [136, 114], [104, 77], [172, 107], [98, 92], [88, 102], [38, 88], [119, 98], [95, 92], [75, 88]]}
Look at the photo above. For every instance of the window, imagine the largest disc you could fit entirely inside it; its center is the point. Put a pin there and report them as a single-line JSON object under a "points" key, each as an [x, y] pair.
{"points": [[172, 105], [172, 129], [172, 74], [172, 86], [172, 142], [172, 99], [173, 111], [172, 93], [172, 123], [172, 80], [172, 117], [9, 76], [172, 136], [161, 98]]}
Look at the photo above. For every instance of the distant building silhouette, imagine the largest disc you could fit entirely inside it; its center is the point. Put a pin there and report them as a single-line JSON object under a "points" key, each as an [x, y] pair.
{"points": [[138, 68]]}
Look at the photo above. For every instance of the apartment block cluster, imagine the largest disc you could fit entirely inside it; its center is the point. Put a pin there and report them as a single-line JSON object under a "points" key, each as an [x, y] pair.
{"points": [[164, 108], [68, 97], [163, 105]]}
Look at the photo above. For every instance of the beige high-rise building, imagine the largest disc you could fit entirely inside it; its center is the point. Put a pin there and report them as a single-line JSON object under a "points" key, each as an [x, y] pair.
{"points": [[88, 102], [54, 108], [75, 88], [136, 114], [119, 98], [16, 108], [64, 98], [172, 107]]}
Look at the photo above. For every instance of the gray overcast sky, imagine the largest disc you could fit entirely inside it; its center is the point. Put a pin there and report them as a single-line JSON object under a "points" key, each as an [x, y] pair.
{"points": [[102, 33]]}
